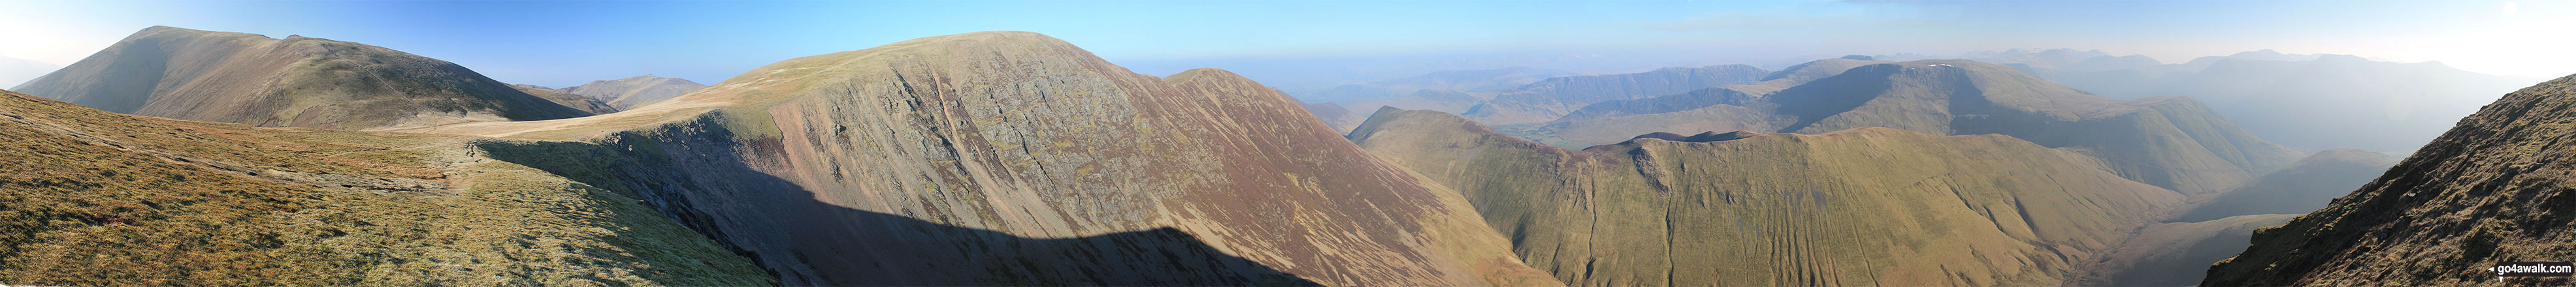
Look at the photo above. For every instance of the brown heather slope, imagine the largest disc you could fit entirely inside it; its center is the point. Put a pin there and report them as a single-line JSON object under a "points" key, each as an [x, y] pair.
{"points": [[2498, 187], [2174, 143], [92, 198], [636, 91], [1012, 158], [579, 102], [294, 82], [1868, 206]]}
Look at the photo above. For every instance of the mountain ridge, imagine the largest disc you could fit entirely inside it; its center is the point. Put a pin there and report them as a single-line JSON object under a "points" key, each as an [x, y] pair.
{"points": [[296, 81]]}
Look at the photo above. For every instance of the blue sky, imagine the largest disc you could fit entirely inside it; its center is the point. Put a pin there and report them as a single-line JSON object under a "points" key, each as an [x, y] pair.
{"points": [[560, 43]]}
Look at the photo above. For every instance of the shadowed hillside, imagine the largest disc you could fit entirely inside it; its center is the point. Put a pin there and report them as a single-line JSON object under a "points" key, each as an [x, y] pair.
{"points": [[2174, 254], [293, 82], [1867, 206], [91, 198], [2496, 188], [1027, 136], [2298, 189], [2175, 143]]}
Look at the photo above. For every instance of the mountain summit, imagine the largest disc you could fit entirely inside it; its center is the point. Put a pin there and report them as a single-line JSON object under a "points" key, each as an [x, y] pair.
{"points": [[293, 82], [1013, 158]]}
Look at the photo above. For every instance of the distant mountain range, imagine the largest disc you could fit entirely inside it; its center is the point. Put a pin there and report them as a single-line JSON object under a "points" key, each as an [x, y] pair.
{"points": [[14, 71], [1472, 81], [2173, 143], [293, 82], [2304, 101], [581, 102], [637, 91]]}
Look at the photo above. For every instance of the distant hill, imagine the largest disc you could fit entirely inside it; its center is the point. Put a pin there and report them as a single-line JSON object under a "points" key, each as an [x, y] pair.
{"points": [[2300, 188], [293, 82], [1548, 99], [92, 198], [637, 91], [1864, 206], [2040, 60], [2495, 188], [1470, 81], [1013, 158], [1726, 95], [1439, 100], [2174, 143], [14, 71], [583, 103], [2312, 102], [1341, 119]]}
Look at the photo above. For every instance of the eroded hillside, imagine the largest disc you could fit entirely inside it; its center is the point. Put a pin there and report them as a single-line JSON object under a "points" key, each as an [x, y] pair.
{"points": [[1010, 158], [1867, 206]]}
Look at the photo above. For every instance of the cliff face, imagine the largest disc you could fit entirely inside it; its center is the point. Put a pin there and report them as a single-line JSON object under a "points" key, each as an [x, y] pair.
{"points": [[92, 198], [1867, 206], [293, 82], [2496, 187], [1006, 158]]}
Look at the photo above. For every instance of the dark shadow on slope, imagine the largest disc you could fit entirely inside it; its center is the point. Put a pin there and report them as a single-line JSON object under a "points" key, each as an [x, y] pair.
{"points": [[1834, 95], [804, 241]]}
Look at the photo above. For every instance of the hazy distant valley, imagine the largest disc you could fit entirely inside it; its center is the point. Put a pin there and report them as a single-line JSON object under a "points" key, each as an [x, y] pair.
{"points": [[177, 156]]}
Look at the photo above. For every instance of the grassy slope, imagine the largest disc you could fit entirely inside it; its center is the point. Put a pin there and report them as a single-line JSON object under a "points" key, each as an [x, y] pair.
{"points": [[292, 82], [2496, 187], [95, 198], [1859, 207]]}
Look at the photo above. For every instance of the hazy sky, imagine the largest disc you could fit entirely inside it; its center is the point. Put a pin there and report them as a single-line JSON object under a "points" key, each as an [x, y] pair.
{"points": [[571, 42]]}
